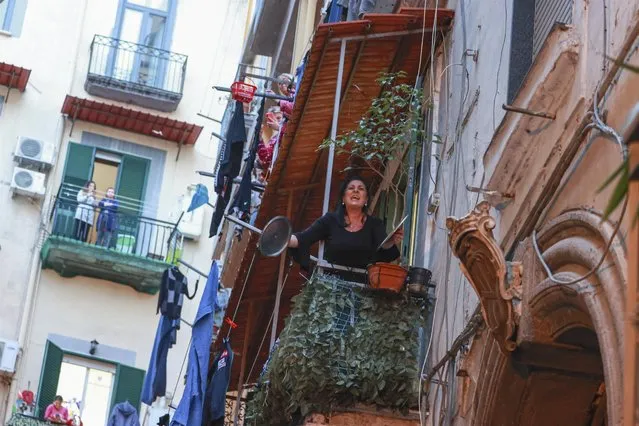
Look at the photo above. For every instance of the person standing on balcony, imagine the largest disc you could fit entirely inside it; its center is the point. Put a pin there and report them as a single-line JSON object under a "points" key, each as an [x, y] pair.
{"points": [[84, 212], [107, 219], [351, 235], [286, 87], [55, 412], [269, 136]]}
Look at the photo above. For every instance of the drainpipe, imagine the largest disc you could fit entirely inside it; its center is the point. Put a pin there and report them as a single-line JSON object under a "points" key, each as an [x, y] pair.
{"points": [[35, 269]]}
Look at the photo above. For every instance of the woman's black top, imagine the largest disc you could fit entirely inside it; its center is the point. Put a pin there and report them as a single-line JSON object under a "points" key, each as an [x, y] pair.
{"points": [[342, 247]]}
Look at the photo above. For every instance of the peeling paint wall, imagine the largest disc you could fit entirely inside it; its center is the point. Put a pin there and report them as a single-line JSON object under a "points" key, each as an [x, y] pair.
{"points": [[520, 155]]}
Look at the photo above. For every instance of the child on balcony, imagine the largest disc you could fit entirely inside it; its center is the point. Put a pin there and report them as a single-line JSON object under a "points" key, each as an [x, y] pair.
{"points": [[107, 219]]}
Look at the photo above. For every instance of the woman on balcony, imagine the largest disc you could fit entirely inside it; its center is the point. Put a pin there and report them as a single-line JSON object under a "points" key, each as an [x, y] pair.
{"points": [[84, 213], [268, 138], [351, 235], [107, 219]]}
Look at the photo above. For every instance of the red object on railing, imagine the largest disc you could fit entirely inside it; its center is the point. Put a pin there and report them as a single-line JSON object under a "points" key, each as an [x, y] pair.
{"points": [[243, 92], [230, 322]]}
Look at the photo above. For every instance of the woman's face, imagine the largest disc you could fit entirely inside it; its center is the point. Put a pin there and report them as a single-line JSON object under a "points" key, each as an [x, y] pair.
{"points": [[110, 193], [91, 187], [274, 120], [57, 404], [355, 194]]}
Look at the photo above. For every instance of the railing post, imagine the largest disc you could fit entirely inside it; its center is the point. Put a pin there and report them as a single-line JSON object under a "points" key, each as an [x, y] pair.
{"points": [[331, 151]]}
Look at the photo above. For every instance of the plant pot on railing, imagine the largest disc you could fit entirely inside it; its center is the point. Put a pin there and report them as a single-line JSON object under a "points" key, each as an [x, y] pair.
{"points": [[386, 276]]}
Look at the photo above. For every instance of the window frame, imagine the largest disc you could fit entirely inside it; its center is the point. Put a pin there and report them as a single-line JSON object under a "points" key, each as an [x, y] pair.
{"points": [[121, 370], [5, 25], [169, 14]]}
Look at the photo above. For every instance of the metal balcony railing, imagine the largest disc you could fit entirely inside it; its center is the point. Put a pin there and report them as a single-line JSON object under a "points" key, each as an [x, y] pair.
{"points": [[138, 68], [122, 230]]}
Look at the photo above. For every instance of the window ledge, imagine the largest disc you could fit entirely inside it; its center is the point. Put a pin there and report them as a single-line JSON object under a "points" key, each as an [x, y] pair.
{"points": [[5, 33]]}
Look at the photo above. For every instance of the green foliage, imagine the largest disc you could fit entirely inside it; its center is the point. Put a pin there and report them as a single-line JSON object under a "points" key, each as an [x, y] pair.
{"points": [[320, 365], [388, 127]]}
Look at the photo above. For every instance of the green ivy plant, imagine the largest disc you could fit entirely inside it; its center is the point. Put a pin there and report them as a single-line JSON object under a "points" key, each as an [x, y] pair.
{"points": [[320, 365], [389, 127]]}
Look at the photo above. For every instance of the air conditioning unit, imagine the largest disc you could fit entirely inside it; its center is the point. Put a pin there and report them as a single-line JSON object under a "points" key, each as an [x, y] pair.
{"points": [[27, 182], [191, 224], [8, 356], [34, 152]]}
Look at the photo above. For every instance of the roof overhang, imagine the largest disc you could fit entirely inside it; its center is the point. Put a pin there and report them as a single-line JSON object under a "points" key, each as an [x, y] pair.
{"points": [[131, 120], [14, 77], [378, 43]]}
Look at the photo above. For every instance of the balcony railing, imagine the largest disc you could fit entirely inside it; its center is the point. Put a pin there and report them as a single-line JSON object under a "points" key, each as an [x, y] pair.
{"points": [[343, 345], [136, 73], [120, 246]]}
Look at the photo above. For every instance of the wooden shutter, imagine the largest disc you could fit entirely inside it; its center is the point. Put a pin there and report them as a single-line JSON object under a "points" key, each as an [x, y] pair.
{"points": [[132, 183], [128, 386], [49, 377]]}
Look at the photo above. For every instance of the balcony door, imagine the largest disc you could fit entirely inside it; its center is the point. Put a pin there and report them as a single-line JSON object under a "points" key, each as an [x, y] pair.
{"points": [[143, 30]]}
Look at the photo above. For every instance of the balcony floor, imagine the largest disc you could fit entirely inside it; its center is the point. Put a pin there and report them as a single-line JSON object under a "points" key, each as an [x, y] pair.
{"points": [[70, 258]]}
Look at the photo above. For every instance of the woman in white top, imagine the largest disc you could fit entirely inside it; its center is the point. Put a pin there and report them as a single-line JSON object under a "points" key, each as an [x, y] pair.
{"points": [[84, 213]]}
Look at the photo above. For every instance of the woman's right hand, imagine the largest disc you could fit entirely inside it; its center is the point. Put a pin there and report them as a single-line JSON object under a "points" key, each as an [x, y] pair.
{"points": [[293, 243]]}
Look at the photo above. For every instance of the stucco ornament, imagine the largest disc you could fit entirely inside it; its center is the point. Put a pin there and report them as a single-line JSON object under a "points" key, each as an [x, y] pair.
{"points": [[497, 282]]}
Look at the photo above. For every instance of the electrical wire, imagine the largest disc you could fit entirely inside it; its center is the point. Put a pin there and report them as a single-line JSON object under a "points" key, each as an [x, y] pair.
{"points": [[239, 300], [609, 131], [501, 56]]}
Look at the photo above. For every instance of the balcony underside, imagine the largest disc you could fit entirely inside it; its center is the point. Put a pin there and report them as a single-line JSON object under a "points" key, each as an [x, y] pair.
{"points": [[132, 93], [70, 258]]}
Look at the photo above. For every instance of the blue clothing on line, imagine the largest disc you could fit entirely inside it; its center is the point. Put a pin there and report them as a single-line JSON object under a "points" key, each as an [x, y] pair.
{"points": [[124, 414], [190, 410], [155, 378]]}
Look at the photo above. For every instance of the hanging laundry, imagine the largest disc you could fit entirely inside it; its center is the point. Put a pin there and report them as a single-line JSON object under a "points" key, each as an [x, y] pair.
{"points": [[358, 8], [220, 208], [200, 197], [155, 379], [235, 138], [243, 198], [124, 414], [190, 409], [218, 384], [172, 290]]}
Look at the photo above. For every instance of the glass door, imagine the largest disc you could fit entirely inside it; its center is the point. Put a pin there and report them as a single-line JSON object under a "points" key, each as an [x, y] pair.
{"points": [[142, 35]]}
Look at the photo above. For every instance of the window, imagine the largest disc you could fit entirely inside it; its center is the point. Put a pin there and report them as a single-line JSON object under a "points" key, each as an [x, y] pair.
{"points": [[148, 23], [532, 21], [12, 15], [88, 386]]}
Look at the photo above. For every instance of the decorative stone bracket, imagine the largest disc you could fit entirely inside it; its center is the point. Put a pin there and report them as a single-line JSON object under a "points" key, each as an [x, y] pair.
{"points": [[497, 282]]}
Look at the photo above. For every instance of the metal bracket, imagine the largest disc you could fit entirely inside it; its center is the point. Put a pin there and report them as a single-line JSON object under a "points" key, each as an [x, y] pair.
{"points": [[525, 111]]}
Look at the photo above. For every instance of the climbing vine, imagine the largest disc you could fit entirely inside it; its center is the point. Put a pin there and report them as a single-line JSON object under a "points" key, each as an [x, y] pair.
{"points": [[340, 346]]}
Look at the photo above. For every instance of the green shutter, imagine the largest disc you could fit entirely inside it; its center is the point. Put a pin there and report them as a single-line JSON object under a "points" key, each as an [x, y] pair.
{"points": [[49, 376], [128, 386], [79, 166], [132, 183], [78, 169]]}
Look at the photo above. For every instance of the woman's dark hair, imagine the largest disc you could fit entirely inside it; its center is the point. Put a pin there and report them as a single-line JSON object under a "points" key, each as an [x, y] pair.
{"points": [[86, 185], [340, 210], [58, 398]]}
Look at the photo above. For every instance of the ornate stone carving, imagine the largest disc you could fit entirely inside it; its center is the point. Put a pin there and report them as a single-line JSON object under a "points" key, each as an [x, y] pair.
{"points": [[497, 282]]}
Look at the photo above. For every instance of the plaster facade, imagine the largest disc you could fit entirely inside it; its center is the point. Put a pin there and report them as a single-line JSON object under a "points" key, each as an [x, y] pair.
{"points": [[542, 175], [55, 44]]}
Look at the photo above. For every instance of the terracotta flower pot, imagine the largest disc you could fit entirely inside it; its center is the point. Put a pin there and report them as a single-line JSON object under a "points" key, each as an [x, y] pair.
{"points": [[386, 276]]}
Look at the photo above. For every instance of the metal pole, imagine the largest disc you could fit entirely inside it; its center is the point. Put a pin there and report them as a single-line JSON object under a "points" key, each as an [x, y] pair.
{"points": [[331, 151], [240, 384], [258, 94], [282, 37], [280, 279], [243, 224]]}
